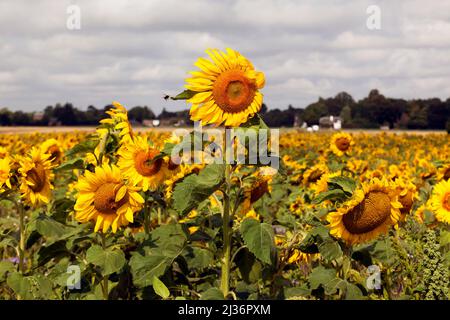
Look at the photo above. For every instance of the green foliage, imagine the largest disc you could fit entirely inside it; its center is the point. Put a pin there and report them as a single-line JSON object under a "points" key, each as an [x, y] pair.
{"points": [[109, 260], [196, 188], [258, 237]]}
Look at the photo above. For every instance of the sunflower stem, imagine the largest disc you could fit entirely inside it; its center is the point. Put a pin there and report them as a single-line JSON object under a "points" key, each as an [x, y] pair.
{"points": [[225, 277], [105, 278], [22, 238], [147, 214]]}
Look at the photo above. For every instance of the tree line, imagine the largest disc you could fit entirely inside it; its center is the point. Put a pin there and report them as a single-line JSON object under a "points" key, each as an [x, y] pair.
{"points": [[373, 111]]}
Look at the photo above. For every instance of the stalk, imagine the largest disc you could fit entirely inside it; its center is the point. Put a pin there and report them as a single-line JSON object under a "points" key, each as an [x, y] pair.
{"points": [[226, 261], [22, 238], [105, 278]]}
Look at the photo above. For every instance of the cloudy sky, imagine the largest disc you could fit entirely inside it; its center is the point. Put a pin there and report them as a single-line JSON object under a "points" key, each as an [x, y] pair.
{"points": [[135, 51]]}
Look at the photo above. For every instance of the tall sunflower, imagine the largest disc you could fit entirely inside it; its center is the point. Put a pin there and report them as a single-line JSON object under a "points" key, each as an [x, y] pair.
{"points": [[138, 162], [36, 177], [226, 89], [106, 198], [371, 211], [341, 143], [440, 201]]}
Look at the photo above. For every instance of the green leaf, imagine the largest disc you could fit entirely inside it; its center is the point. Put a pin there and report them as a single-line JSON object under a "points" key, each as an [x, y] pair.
{"points": [[198, 258], [330, 249], [256, 122], [20, 285], [194, 189], [160, 288], [145, 267], [329, 195], [83, 147], [109, 260], [77, 163], [51, 229], [321, 276], [170, 238], [352, 292], [259, 238], [346, 184], [212, 294], [5, 268], [185, 95], [290, 293]]}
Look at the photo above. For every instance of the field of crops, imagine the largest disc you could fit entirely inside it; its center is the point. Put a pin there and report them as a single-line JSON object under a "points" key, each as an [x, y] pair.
{"points": [[289, 235], [118, 214]]}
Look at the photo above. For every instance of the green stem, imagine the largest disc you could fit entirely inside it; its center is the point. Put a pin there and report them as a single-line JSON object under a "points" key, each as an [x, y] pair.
{"points": [[147, 215], [105, 278], [225, 279], [22, 238]]}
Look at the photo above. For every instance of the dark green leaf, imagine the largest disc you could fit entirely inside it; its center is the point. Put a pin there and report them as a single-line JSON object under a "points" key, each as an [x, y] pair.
{"points": [[194, 189], [212, 294], [259, 238], [329, 195], [109, 260]]}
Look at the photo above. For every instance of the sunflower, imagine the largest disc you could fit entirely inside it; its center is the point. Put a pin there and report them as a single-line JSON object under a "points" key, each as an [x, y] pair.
{"points": [[5, 173], [119, 120], [444, 173], [226, 89], [371, 211], [36, 177], [407, 195], [341, 143], [105, 197], [138, 162], [313, 174], [440, 201], [322, 184], [53, 147], [298, 257]]}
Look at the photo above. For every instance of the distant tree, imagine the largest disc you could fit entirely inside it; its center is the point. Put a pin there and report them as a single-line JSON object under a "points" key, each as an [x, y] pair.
{"points": [[21, 118], [314, 111], [418, 116], [5, 117], [139, 114], [346, 116]]}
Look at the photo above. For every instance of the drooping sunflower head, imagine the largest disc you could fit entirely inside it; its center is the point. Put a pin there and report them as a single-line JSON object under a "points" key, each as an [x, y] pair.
{"points": [[104, 196], [53, 148], [140, 163], [407, 194], [36, 177], [226, 89], [371, 211], [440, 201], [341, 143]]}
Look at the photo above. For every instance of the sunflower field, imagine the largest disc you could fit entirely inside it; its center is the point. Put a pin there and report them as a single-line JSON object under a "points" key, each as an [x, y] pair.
{"points": [[110, 214]]}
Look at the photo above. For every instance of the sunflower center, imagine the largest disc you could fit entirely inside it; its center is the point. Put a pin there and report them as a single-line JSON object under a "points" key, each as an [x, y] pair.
{"points": [[233, 91], [406, 201], [342, 144], [55, 153], [144, 164], [37, 176], [105, 198], [369, 214], [446, 202]]}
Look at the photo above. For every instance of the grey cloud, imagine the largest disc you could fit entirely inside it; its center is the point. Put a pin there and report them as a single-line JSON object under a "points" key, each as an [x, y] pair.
{"points": [[136, 51]]}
